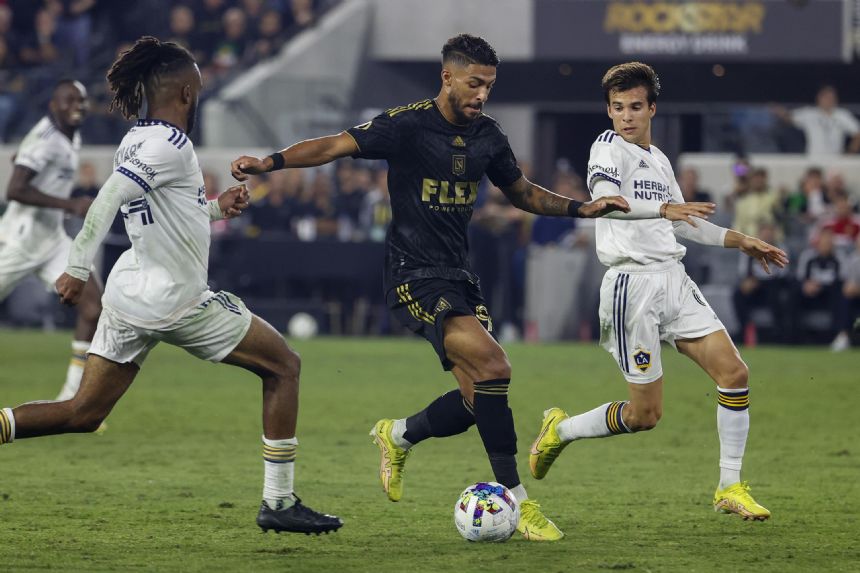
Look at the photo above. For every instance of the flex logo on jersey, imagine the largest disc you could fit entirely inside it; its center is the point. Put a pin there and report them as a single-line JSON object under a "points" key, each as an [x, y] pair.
{"points": [[458, 164], [440, 197], [642, 359]]}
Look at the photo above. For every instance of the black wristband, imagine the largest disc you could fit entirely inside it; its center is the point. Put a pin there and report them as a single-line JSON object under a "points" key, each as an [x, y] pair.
{"points": [[277, 161], [573, 208]]}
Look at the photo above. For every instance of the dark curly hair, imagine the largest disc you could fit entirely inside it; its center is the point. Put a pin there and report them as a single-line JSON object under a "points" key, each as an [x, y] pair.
{"points": [[631, 75], [466, 49], [139, 70]]}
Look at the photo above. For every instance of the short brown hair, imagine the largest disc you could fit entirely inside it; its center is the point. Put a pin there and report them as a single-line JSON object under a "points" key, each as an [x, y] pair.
{"points": [[631, 75]]}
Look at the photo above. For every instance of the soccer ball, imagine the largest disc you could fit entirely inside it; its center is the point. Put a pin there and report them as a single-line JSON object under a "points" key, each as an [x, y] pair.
{"points": [[302, 325], [486, 511]]}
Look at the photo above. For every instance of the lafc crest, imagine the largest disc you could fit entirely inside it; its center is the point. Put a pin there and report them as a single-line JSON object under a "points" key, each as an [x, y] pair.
{"points": [[642, 359], [458, 164]]}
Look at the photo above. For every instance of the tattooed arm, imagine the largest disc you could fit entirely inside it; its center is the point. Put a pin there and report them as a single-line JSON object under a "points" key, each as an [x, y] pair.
{"points": [[525, 195]]}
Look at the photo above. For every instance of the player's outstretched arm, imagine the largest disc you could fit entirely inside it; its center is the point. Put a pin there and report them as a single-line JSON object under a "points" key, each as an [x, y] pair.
{"points": [[117, 190], [764, 253], [307, 153], [525, 195], [20, 189]]}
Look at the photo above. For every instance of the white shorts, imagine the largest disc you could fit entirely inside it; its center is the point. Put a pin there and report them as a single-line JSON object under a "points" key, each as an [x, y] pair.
{"points": [[210, 330], [17, 264], [639, 309]]}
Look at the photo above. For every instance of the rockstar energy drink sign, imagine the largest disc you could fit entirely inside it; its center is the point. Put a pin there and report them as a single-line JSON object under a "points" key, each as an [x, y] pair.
{"points": [[710, 30]]}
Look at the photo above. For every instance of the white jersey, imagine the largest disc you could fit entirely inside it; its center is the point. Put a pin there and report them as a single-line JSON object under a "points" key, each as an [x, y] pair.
{"points": [[164, 273], [639, 174], [54, 158]]}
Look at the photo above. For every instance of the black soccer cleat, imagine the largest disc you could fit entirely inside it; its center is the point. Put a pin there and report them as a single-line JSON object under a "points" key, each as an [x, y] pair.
{"points": [[298, 518]]}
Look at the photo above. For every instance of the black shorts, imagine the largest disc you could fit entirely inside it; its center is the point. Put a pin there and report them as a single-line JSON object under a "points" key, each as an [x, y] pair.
{"points": [[421, 305]]}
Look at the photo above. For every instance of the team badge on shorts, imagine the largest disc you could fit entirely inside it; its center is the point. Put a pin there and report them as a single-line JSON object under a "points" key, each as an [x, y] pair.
{"points": [[458, 164], [482, 314], [441, 305], [642, 358]]}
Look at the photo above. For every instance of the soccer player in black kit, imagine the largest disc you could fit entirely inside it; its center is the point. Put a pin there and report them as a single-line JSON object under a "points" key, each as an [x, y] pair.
{"points": [[438, 150]]}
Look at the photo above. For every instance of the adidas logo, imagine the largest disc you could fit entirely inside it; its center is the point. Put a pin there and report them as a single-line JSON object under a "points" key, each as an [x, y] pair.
{"points": [[458, 142], [642, 164]]}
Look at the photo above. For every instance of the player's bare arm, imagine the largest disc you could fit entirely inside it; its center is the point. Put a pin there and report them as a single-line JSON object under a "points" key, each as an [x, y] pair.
{"points": [[21, 190], [685, 211], [764, 253], [307, 153], [525, 195]]}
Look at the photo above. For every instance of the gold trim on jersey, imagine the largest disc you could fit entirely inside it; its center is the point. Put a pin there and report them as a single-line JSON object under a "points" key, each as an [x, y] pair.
{"points": [[418, 105]]}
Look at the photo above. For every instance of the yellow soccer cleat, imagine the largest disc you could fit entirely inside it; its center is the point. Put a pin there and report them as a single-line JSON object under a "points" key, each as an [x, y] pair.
{"points": [[393, 459], [534, 525], [737, 499], [547, 446]]}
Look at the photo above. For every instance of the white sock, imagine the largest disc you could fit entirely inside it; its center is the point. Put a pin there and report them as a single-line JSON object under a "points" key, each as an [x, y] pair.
{"points": [[397, 432], [279, 463], [520, 493], [593, 424], [7, 426], [75, 371], [733, 426]]}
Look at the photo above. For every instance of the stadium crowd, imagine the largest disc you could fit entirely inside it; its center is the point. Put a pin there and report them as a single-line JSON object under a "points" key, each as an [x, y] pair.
{"points": [[42, 40]]}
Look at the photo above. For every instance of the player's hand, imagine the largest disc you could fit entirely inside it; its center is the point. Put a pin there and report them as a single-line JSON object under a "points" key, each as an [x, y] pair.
{"points": [[764, 253], [247, 165], [233, 201], [603, 206], [684, 211], [69, 288], [80, 205]]}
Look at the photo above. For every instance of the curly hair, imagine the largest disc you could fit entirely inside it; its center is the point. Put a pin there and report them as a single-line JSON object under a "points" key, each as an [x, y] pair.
{"points": [[139, 70]]}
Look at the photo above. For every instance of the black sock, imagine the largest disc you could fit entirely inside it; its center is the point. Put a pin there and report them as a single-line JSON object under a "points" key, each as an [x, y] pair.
{"points": [[496, 425], [447, 415]]}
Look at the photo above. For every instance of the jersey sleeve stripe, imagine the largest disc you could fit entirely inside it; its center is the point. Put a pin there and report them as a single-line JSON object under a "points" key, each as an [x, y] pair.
{"points": [[173, 134], [184, 141], [602, 176], [134, 177]]}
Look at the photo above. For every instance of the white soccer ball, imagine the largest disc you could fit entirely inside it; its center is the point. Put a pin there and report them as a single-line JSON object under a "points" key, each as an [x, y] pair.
{"points": [[486, 511], [302, 325]]}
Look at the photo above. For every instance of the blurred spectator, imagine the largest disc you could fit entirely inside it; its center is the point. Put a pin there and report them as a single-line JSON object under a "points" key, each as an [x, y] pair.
{"points": [[317, 211], [74, 28], [757, 205], [253, 10], [11, 86], [810, 201], [208, 15], [301, 14], [40, 47], [230, 50], [273, 206], [376, 210], [844, 224], [688, 181], [270, 35], [819, 273], [825, 125], [851, 292], [349, 202], [494, 238], [182, 32], [759, 290]]}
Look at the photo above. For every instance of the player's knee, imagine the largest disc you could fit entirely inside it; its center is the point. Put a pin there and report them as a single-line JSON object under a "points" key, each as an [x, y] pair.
{"points": [[737, 377], [494, 365], [288, 366], [644, 419]]}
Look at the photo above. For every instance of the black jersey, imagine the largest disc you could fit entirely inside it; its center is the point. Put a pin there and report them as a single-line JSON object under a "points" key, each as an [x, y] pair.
{"points": [[434, 168]]}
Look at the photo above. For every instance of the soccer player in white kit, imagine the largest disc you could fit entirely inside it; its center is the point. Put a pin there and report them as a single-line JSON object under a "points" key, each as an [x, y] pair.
{"points": [[647, 297], [32, 238], [157, 290]]}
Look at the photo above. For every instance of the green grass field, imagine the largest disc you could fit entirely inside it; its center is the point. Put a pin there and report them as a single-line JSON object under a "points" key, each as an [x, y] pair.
{"points": [[175, 483]]}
